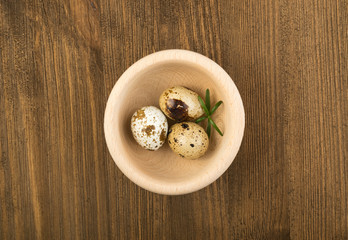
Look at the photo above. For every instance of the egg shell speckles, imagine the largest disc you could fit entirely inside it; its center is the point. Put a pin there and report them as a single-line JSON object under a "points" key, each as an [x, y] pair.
{"points": [[149, 127], [188, 139], [180, 104]]}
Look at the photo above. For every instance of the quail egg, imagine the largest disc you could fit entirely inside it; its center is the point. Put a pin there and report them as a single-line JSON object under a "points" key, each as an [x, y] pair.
{"points": [[188, 139], [180, 104], [149, 127]]}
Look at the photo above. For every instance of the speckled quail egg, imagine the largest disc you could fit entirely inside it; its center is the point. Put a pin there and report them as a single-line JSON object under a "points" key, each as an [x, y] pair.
{"points": [[149, 127], [180, 104], [188, 139]]}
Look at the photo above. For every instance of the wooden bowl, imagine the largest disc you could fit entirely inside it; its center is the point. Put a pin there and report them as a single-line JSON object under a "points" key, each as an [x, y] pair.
{"points": [[163, 171]]}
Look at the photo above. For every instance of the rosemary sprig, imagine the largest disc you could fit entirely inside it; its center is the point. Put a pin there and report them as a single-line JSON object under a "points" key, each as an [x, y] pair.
{"points": [[206, 107], [208, 129]]}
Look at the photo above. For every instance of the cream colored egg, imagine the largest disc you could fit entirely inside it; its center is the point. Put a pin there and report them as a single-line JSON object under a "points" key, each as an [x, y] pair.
{"points": [[180, 104], [188, 139], [149, 127]]}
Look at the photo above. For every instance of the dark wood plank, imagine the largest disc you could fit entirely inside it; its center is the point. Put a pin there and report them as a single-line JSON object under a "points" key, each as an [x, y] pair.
{"points": [[316, 114], [259, 181], [59, 61], [291, 68], [52, 101]]}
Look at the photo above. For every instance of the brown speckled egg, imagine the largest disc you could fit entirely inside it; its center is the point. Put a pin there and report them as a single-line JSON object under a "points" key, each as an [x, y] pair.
{"points": [[180, 104], [149, 127], [188, 139]]}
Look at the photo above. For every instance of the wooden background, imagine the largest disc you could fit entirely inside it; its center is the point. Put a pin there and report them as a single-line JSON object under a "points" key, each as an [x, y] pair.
{"points": [[59, 60]]}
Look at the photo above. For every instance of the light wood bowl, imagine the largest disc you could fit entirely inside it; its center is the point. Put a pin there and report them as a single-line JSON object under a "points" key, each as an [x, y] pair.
{"points": [[162, 171]]}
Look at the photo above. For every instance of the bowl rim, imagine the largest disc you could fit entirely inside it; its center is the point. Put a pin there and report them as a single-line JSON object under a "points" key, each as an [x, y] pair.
{"points": [[143, 180]]}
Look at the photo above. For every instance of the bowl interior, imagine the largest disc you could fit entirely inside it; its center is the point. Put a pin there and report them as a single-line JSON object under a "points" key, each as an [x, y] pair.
{"points": [[143, 89]]}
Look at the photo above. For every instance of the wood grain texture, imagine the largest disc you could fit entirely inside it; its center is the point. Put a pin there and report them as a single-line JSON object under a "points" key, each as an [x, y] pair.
{"points": [[59, 61]]}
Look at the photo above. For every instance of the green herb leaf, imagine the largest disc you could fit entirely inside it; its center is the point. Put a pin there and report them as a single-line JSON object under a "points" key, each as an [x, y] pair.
{"points": [[201, 119], [208, 129], [214, 125], [203, 105], [206, 107], [215, 107], [207, 99]]}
